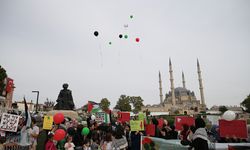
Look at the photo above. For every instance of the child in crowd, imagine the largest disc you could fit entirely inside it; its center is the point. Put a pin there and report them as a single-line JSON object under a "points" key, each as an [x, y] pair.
{"points": [[69, 145], [50, 144], [86, 145], [107, 142]]}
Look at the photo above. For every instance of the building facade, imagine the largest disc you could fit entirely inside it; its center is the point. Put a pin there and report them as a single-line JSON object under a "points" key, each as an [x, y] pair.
{"points": [[179, 100]]}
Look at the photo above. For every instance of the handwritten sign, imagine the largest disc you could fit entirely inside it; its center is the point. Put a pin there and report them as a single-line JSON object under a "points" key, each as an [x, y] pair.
{"points": [[235, 128], [9, 122], [47, 122], [141, 116], [102, 117], [136, 125]]}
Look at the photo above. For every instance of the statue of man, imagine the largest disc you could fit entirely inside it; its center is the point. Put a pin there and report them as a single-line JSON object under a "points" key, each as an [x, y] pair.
{"points": [[65, 99]]}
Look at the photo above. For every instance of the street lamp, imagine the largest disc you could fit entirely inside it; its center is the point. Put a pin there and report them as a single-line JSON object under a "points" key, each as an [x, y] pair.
{"points": [[36, 99]]}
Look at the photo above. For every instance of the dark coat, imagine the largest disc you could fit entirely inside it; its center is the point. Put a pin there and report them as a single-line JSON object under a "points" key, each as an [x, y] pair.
{"points": [[200, 144]]}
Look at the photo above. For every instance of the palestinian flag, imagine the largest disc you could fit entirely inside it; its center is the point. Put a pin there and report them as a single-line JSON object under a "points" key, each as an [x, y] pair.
{"points": [[27, 122], [93, 107]]}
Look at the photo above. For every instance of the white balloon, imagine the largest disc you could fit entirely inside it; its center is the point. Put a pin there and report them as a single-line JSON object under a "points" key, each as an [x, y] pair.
{"points": [[229, 115], [93, 117]]}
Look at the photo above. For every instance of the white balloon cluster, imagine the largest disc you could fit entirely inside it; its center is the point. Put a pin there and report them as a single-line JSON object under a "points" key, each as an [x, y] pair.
{"points": [[229, 115]]}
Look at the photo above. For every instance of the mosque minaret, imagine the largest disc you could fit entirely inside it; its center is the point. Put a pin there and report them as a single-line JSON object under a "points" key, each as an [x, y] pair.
{"points": [[200, 84], [172, 82], [179, 99], [160, 88], [183, 80]]}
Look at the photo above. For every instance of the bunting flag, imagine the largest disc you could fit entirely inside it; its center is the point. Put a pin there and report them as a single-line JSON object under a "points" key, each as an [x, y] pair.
{"points": [[27, 114], [93, 107]]}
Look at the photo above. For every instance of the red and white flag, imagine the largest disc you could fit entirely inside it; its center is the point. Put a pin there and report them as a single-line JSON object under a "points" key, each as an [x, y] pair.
{"points": [[181, 120], [9, 85]]}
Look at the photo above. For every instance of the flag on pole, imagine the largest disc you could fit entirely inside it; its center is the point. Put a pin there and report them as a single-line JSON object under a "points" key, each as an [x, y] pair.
{"points": [[93, 107], [27, 114]]}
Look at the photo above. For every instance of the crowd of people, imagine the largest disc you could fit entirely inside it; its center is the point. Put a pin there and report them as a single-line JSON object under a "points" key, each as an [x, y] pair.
{"points": [[113, 136]]}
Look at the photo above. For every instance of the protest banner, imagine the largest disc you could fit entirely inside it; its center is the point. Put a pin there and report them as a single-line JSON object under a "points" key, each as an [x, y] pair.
{"points": [[47, 122], [9, 122], [136, 125], [141, 116], [228, 128], [150, 129], [102, 117], [123, 116], [180, 120]]}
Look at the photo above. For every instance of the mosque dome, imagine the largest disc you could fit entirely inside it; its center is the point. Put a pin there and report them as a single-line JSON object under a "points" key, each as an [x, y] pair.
{"points": [[180, 91]]}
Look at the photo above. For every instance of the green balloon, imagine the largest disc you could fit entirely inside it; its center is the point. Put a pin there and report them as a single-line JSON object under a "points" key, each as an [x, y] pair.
{"points": [[110, 43], [125, 36], [85, 131], [131, 16]]}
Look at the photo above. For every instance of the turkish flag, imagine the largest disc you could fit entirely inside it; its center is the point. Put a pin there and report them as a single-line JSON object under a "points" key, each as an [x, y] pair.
{"points": [[180, 120], [150, 129], [123, 116], [9, 85], [160, 122], [234, 128]]}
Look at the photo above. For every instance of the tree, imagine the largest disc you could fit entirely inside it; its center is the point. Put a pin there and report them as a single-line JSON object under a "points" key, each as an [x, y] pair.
{"points": [[3, 75], [137, 103], [222, 109], [123, 104], [105, 103], [246, 103]]}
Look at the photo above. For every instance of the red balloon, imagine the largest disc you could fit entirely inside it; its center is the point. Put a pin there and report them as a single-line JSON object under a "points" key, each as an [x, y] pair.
{"points": [[59, 134], [58, 118], [137, 39]]}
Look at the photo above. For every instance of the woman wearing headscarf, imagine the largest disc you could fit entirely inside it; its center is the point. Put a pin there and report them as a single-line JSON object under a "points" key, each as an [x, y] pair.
{"points": [[200, 138]]}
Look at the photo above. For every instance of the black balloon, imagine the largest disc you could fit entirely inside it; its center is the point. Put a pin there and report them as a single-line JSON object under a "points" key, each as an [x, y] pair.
{"points": [[96, 33], [120, 36]]}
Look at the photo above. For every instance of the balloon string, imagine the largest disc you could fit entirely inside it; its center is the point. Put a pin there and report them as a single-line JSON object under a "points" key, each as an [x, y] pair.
{"points": [[100, 48]]}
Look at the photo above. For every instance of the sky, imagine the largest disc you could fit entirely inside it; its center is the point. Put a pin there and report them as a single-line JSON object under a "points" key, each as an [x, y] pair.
{"points": [[44, 44]]}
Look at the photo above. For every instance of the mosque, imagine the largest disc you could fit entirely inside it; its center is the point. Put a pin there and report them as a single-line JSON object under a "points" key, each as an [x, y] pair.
{"points": [[179, 100]]}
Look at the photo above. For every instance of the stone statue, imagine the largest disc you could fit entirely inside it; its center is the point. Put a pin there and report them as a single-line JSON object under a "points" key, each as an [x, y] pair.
{"points": [[65, 99]]}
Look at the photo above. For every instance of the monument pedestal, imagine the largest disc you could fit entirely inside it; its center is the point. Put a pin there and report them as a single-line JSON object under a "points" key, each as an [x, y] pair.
{"points": [[67, 113]]}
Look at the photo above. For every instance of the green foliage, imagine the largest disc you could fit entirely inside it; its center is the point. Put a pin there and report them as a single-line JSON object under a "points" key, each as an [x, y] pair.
{"points": [[246, 103], [222, 109], [3, 75], [137, 102], [104, 104], [123, 103]]}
